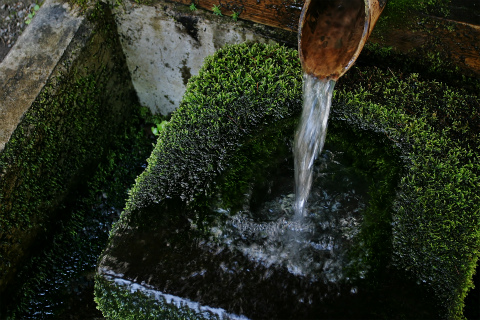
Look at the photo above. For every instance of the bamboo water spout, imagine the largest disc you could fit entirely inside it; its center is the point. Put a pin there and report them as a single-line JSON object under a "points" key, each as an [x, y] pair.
{"points": [[332, 34]]}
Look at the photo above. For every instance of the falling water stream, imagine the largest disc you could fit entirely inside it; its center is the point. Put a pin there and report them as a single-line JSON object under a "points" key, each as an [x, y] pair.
{"points": [[308, 240], [310, 135]]}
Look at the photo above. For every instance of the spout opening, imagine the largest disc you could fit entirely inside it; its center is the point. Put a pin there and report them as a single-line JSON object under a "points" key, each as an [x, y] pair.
{"points": [[331, 35]]}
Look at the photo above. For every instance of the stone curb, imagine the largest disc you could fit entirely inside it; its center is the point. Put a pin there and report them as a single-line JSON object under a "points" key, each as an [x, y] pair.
{"points": [[26, 69]]}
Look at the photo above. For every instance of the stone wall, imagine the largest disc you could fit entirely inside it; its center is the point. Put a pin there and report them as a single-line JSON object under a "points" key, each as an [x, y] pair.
{"points": [[165, 44]]}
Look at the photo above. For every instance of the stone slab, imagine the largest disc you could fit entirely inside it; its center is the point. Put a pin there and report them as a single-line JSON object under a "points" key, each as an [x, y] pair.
{"points": [[67, 95], [27, 67]]}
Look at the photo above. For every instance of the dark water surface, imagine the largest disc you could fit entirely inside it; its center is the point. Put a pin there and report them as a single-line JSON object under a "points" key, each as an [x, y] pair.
{"points": [[260, 262]]}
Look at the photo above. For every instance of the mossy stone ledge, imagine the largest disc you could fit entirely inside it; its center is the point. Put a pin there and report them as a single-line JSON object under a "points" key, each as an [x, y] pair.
{"points": [[436, 212], [430, 224], [87, 100]]}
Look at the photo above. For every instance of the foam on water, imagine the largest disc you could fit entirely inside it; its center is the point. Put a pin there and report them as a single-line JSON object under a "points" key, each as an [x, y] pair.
{"points": [[310, 135], [308, 240], [315, 246]]}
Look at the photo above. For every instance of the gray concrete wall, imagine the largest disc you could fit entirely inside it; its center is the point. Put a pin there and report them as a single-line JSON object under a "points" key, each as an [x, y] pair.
{"points": [[165, 44]]}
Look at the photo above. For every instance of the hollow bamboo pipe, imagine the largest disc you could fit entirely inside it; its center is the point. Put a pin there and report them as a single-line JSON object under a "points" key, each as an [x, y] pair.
{"points": [[332, 34]]}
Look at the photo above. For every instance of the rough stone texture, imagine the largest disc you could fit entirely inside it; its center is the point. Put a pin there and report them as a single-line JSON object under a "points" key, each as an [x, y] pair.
{"points": [[69, 90], [166, 44], [24, 72], [14, 17]]}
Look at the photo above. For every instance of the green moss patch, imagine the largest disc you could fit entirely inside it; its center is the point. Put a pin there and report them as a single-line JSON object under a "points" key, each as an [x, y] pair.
{"points": [[230, 99], [63, 269], [396, 7], [119, 302], [436, 215], [66, 133]]}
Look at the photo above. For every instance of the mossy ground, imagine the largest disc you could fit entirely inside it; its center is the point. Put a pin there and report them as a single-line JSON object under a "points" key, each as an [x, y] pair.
{"points": [[232, 98], [120, 303], [82, 118], [63, 270], [431, 126]]}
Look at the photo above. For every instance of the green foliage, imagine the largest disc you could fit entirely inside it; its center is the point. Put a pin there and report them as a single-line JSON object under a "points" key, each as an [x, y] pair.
{"points": [[235, 15], [436, 216], [219, 107], [32, 14], [412, 15], [218, 113], [216, 10], [193, 7], [68, 130], [433, 66], [372, 156], [401, 7], [83, 231], [254, 162], [159, 127], [158, 121]]}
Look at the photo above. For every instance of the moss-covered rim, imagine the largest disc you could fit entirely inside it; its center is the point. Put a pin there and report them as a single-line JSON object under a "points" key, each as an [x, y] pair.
{"points": [[435, 216]]}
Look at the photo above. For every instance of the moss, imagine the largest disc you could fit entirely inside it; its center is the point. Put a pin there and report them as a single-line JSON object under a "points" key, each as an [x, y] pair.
{"points": [[371, 156], [409, 13], [119, 302], [396, 8], [430, 63], [222, 106], [66, 132], [66, 263], [416, 35], [436, 218], [428, 127], [220, 110], [83, 4], [252, 166], [248, 183]]}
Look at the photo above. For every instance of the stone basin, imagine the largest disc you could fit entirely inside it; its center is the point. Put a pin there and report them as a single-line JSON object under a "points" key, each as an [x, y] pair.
{"points": [[195, 239]]}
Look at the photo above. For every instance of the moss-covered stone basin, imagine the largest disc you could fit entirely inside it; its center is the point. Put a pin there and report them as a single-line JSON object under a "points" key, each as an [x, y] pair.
{"points": [[416, 245]]}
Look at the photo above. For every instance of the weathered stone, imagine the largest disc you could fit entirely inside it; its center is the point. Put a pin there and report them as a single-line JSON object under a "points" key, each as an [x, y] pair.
{"points": [[66, 93], [166, 44], [25, 71]]}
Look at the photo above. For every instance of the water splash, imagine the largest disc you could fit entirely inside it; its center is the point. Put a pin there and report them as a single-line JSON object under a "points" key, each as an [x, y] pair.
{"points": [[317, 246], [310, 135]]}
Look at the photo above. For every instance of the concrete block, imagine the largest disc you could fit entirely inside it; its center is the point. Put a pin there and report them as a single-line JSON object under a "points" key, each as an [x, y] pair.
{"points": [[165, 44], [27, 67]]}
